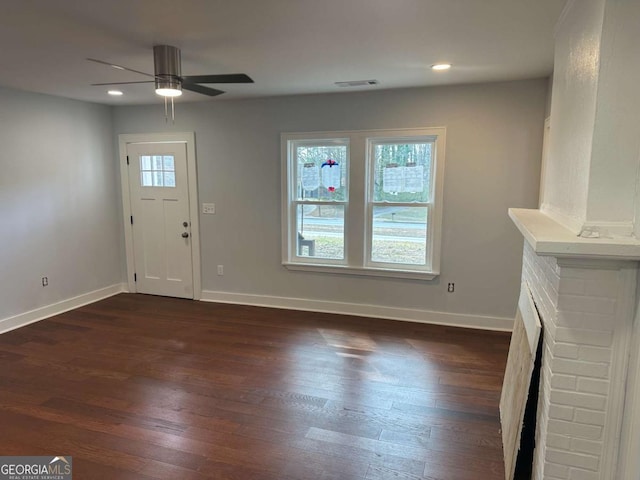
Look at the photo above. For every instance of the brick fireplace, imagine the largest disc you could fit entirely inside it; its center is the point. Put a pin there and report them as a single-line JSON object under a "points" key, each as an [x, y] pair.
{"points": [[585, 292], [582, 250]]}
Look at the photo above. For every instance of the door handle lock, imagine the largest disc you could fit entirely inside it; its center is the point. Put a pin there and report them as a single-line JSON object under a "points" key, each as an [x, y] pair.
{"points": [[185, 235]]}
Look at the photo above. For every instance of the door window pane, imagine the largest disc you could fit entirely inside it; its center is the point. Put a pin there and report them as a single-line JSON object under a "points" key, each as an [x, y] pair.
{"points": [[157, 179], [157, 171], [145, 162], [169, 179], [399, 235], [168, 163], [146, 179]]}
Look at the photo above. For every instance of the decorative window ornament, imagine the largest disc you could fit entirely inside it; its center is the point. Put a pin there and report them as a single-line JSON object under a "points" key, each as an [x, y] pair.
{"points": [[330, 175], [310, 176]]}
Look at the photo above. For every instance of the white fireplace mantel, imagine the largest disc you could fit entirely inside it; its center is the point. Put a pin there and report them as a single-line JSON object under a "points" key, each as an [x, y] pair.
{"points": [[585, 292], [549, 238]]}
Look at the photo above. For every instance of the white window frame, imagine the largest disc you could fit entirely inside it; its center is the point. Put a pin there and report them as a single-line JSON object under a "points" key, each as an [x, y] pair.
{"points": [[359, 204], [294, 202]]}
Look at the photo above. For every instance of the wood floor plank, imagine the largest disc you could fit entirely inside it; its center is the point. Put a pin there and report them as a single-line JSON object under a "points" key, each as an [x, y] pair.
{"points": [[144, 387]]}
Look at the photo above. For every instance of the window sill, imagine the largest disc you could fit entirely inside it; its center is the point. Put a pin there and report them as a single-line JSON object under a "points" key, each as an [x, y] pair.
{"points": [[369, 272]]}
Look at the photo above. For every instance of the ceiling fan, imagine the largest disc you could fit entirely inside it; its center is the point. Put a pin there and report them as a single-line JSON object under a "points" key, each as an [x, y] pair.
{"points": [[168, 78]]}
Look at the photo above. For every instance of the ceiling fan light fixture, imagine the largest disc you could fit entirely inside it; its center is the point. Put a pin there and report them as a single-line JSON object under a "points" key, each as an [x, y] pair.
{"points": [[169, 92], [168, 79], [166, 62], [168, 86]]}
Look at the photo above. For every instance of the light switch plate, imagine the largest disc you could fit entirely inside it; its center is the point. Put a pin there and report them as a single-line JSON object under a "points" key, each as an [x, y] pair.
{"points": [[209, 208]]}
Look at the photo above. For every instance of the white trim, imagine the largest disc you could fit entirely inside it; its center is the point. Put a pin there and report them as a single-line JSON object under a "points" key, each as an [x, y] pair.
{"points": [[544, 160], [629, 461], [613, 428], [438, 199], [194, 211], [548, 237], [32, 316], [530, 318], [363, 271], [363, 310]]}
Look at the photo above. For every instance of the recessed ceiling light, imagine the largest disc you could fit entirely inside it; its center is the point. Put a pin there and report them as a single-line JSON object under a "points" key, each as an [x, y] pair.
{"points": [[115, 93], [357, 83], [441, 66]]}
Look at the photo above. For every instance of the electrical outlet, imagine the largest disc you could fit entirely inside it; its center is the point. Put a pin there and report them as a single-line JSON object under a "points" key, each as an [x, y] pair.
{"points": [[209, 208], [45, 281], [220, 269], [451, 287]]}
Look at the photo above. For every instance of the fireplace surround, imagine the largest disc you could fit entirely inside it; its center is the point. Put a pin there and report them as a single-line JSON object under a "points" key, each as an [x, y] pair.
{"points": [[585, 292]]}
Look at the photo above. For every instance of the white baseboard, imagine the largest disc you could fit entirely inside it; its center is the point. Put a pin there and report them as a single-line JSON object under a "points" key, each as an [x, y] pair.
{"points": [[363, 310], [22, 319]]}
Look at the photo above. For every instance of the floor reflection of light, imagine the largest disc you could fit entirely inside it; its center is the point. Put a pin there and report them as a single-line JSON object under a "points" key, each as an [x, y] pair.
{"points": [[359, 369]]}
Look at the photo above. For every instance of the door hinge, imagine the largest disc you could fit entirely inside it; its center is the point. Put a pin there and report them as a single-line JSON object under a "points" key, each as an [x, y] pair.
{"points": [[127, 159], [135, 277], [131, 219]]}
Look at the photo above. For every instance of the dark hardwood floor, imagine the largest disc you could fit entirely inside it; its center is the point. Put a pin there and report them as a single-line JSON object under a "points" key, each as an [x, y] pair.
{"points": [[143, 387]]}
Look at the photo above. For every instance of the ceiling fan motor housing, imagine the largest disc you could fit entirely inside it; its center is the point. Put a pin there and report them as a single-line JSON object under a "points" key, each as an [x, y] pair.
{"points": [[166, 61]]}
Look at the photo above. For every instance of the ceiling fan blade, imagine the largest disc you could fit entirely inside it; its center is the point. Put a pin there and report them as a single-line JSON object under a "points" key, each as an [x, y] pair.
{"points": [[120, 67], [224, 78], [121, 83], [212, 92]]}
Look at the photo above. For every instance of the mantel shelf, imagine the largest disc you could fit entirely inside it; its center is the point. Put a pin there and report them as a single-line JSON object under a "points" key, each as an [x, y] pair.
{"points": [[548, 237]]}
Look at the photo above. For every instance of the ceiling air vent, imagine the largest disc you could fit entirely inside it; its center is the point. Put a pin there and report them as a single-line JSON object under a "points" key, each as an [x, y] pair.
{"points": [[357, 83]]}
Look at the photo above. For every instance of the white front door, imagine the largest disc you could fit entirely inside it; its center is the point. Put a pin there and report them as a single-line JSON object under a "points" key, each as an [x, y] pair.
{"points": [[159, 192]]}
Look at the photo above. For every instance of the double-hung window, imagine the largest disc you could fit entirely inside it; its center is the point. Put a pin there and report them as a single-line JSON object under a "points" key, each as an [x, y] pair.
{"points": [[363, 202]]}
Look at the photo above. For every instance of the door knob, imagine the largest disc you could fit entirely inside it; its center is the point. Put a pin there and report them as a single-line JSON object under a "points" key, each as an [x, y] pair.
{"points": [[185, 235], [185, 224]]}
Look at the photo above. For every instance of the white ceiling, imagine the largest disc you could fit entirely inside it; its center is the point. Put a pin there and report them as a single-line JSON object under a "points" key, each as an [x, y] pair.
{"points": [[286, 46]]}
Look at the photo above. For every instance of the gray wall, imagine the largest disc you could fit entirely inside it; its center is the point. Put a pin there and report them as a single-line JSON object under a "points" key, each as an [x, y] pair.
{"points": [[59, 201], [494, 142]]}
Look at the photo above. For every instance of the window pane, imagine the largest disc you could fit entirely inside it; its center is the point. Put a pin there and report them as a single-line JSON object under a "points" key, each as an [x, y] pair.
{"points": [[157, 179], [321, 172], [145, 162], [320, 231], [399, 235], [157, 171], [402, 172], [168, 163], [146, 179], [156, 162], [169, 179]]}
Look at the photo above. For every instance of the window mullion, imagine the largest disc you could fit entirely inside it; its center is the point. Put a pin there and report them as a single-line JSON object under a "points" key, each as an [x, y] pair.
{"points": [[356, 213]]}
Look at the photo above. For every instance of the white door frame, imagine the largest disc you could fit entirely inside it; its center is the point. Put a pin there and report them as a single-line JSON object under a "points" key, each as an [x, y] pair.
{"points": [[184, 137]]}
